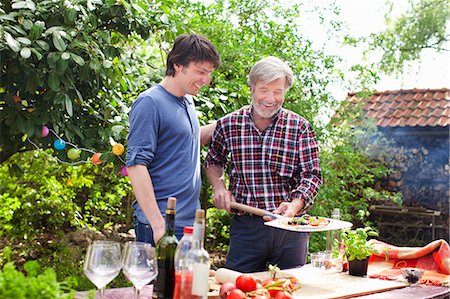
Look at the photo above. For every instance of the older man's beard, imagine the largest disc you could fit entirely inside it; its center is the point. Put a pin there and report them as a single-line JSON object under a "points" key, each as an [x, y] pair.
{"points": [[265, 114]]}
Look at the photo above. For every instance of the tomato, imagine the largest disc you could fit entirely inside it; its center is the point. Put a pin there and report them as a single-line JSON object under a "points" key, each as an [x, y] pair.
{"points": [[236, 294], [283, 295], [246, 282], [273, 293]]}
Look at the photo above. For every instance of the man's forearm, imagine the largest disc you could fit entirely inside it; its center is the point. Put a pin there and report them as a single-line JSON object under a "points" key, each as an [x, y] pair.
{"points": [[215, 176], [145, 195], [206, 133]]}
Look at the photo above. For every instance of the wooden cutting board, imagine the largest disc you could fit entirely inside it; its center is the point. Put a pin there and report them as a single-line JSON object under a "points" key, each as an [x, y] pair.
{"points": [[321, 284]]}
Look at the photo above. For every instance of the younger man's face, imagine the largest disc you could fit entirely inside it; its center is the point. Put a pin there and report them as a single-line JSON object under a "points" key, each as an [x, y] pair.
{"points": [[193, 76]]}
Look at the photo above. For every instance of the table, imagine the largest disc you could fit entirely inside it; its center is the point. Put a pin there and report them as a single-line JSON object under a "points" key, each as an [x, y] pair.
{"points": [[416, 292]]}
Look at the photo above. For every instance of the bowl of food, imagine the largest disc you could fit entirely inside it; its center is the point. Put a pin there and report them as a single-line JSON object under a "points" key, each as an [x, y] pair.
{"points": [[412, 275]]}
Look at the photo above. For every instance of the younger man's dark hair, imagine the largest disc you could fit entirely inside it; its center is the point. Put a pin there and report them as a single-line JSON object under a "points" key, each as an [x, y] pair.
{"points": [[191, 48]]}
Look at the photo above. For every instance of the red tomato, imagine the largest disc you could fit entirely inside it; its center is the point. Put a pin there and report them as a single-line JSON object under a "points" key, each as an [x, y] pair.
{"points": [[236, 294], [283, 295], [273, 293], [246, 282]]}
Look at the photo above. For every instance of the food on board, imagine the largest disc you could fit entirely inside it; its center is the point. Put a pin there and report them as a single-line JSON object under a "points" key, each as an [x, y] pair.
{"points": [[306, 220]]}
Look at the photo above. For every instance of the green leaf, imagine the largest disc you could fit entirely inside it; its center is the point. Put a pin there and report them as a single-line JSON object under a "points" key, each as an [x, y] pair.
{"points": [[65, 56], [61, 66], [27, 24], [24, 40], [72, 15], [36, 30], [68, 104], [44, 45], [7, 17], [59, 42], [107, 64], [117, 130], [53, 81], [19, 5], [78, 59], [78, 93], [25, 53], [12, 43], [31, 5]]}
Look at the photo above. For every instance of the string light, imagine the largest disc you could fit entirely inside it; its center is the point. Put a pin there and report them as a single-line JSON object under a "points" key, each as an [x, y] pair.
{"points": [[74, 152]]}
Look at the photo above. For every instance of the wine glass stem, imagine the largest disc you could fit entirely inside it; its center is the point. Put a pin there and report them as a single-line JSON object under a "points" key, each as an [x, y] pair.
{"points": [[102, 293]]}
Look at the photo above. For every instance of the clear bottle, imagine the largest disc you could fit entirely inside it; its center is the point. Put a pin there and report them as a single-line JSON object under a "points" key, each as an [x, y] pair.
{"points": [[333, 237], [195, 275], [165, 254], [184, 245]]}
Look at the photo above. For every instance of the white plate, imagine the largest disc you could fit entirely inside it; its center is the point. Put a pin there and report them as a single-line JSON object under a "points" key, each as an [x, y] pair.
{"points": [[332, 225]]}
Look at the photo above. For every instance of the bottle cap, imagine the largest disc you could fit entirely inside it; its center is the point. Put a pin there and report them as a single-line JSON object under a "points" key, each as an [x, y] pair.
{"points": [[199, 214], [188, 230], [171, 203]]}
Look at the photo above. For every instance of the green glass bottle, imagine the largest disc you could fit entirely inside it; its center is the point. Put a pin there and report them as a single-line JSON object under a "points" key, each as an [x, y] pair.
{"points": [[165, 253]]}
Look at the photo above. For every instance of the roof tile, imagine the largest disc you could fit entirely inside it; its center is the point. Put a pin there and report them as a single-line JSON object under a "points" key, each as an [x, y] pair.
{"points": [[414, 107]]}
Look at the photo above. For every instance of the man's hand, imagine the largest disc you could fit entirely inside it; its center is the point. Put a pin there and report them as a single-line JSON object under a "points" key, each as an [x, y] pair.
{"points": [[158, 232], [223, 198], [289, 209]]}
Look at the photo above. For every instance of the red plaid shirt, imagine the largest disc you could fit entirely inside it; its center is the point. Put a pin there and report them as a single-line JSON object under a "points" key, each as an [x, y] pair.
{"points": [[267, 168]]}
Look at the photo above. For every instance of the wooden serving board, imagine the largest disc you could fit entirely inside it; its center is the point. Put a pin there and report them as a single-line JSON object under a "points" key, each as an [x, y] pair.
{"points": [[322, 284]]}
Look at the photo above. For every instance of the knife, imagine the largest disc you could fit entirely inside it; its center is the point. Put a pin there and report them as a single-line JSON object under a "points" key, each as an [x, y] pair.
{"points": [[253, 210]]}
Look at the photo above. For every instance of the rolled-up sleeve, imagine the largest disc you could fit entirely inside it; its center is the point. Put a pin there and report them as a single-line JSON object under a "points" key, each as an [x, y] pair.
{"points": [[310, 175], [142, 137]]}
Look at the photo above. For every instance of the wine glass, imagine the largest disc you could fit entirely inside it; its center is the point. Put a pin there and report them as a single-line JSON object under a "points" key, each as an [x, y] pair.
{"points": [[139, 265], [102, 263]]}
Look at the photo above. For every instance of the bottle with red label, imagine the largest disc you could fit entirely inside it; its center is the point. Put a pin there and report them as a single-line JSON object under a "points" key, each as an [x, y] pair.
{"points": [[184, 245]]}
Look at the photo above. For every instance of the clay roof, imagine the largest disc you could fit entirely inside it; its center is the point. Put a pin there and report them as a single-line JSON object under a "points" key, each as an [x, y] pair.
{"points": [[407, 108]]}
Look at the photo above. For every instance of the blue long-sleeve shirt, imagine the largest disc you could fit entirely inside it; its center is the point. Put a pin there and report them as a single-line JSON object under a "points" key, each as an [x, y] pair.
{"points": [[165, 137]]}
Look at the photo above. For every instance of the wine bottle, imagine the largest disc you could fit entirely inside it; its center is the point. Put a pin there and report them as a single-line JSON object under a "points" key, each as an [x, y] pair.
{"points": [[195, 277], [165, 252]]}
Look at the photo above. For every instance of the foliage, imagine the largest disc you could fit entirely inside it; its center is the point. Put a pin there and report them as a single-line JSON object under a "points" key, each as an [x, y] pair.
{"points": [[40, 196], [68, 65], [355, 243], [423, 26], [36, 284], [217, 230]]}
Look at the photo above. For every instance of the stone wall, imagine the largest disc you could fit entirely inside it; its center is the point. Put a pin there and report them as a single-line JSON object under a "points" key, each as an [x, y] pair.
{"points": [[420, 157]]}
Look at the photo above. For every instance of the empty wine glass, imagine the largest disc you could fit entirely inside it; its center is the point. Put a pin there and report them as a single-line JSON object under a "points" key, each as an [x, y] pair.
{"points": [[102, 263], [139, 265]]}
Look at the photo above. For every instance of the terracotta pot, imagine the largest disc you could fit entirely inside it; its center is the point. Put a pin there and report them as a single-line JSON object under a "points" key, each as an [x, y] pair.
{"points": [[358, 267]]}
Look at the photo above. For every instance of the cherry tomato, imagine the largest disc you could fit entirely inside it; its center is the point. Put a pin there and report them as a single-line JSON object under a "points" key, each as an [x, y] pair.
{"points": [[246, 282], [283, 295], [273, 293], [236, 294]]}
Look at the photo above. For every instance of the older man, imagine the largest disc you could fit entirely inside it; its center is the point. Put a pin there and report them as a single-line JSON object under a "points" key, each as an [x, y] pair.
{"points": [[274, 166]]}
